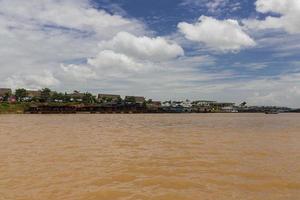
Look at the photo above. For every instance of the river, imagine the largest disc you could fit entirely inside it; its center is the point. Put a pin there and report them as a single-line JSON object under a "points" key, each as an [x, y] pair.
{"points": [[150, 157]]}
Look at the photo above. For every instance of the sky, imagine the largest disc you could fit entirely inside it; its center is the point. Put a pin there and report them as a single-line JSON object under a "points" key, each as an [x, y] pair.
{"points": [[224, 50]]}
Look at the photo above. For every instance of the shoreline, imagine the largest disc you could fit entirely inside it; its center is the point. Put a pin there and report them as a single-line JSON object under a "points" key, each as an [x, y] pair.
{"points": [[58, 108], [191, 113]]}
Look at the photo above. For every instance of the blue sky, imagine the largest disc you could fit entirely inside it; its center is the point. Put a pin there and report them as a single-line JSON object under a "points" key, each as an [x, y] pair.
{"points": [[225, 50], [163, 16]]}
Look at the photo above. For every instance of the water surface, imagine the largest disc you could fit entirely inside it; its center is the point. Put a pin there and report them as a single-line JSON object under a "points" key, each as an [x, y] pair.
{"points": [[150, 157]]}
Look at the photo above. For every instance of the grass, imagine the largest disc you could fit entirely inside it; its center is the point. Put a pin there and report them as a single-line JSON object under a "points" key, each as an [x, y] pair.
{"points": [[18, 108], [21, 107]]}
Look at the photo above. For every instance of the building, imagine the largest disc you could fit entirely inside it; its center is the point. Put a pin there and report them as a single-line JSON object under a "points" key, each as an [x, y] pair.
{"points": [[108, 97], [135, 99], [223, 107], [203, 103], [5, 91], [76, 96], [33, 93], [156, 103], [154, 106]]}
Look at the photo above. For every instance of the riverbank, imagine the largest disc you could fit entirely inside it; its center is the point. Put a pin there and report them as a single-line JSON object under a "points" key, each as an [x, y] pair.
{"points": [[22, 107], [19, 108], [72, 108]]}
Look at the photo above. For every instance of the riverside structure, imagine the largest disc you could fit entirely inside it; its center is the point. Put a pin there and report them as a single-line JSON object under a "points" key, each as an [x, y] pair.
{"points": [[47, 101]]}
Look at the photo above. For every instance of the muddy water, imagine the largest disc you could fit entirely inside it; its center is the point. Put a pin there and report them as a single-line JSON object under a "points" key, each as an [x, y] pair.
{"points": [[143, 157]]}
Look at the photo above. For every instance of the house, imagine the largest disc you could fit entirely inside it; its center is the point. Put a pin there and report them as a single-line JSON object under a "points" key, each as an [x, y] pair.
{"points": [[202, 103], [223, 107], [5, 91], [76, 96], [108, 97], [33, 93], [174, 107], [12, 99], [154, 106], [135, 99], [202, 106], [156, 103]]}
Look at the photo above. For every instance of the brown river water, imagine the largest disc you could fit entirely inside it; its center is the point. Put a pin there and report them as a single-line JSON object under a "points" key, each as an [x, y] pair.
{"points": [[150, 157]]}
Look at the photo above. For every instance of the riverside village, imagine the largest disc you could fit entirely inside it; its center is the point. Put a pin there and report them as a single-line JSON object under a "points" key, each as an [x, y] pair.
{"points": [[46, 101]]}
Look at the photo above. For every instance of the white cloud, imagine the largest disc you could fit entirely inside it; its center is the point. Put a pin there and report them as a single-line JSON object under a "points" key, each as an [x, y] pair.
{"points": [[283, 90], [222, 35], [39, 35], [126, 54], [32, 81], [110, 61], [213, 6], [70, 14], [153, 49], [289, 18], [78, 72]]}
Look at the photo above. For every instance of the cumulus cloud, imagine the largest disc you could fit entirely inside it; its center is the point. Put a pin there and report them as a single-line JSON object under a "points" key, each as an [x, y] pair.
{"points": [[77, 72], [54, 43], [32, 81], [68, 14], [222, 35], [282, 90], [39, 35], [108, 60], [289, 19], [153, 49], [127, 54]]}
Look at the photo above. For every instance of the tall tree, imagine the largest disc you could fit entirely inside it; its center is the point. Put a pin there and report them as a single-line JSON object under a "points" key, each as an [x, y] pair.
{"points": [[57, 97], [88, 98], [243, 104], [6, 97], [130, 100], [46, 95], [20, 94]]}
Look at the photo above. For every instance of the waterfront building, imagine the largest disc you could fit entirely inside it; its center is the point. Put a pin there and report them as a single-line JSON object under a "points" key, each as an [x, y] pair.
{"points": [[223, 107], [203, 103], [154, 106], [76, 96], [33, 93], [135, 99], [108, 98], [5, 91]]}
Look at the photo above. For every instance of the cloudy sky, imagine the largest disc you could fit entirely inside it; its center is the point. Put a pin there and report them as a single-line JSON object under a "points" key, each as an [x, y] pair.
{"points": [[225, 50]]}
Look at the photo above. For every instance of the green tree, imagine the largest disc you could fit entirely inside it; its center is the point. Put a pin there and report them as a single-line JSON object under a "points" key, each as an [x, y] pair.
{"points": [[46, 95], [6, 97], [130, 100], [109, 99], [20, 94], [119, 100], [67, 97], [243, 104], [88, 98], [57, 96]]}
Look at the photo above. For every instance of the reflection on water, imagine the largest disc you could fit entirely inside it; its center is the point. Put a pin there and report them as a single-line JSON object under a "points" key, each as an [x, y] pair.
{"points": [[143, 157]]}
